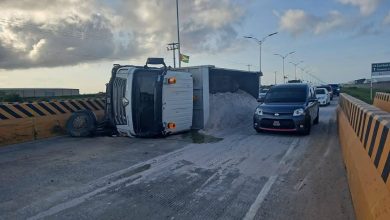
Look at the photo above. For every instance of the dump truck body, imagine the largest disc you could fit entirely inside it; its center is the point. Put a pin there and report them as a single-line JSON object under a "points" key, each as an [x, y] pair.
{"points": [[146, 102]]}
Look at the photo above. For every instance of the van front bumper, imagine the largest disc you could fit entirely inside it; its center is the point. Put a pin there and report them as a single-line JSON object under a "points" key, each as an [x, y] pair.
{"points": [[279, 123]]}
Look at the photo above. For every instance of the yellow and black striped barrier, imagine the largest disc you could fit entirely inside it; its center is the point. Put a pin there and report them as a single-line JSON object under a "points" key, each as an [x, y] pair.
{"points": [[382, 101], [21, 122], [365, 140]]}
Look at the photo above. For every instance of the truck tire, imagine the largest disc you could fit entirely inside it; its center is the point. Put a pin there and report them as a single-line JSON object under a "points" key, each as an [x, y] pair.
{"points": [[81, 124]]}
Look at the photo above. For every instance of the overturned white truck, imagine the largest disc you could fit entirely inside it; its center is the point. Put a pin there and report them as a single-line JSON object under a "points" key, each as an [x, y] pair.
{"points": [[144, 101]]}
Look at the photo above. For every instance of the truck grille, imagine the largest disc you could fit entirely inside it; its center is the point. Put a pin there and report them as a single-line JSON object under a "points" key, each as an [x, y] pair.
{"points": [[119, 92]]}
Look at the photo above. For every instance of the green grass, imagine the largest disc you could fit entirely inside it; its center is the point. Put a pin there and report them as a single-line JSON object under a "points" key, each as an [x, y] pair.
{"points": [[362, 93]]}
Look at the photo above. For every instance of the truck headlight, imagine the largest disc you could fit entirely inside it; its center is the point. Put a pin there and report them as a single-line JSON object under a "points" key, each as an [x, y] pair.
{"points": [[299, 112], [259, 111]]}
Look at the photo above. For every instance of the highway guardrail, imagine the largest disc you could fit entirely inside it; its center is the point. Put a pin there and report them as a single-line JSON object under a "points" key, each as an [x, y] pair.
{"points": [[365, 140], [382, 101], [20, 122]]}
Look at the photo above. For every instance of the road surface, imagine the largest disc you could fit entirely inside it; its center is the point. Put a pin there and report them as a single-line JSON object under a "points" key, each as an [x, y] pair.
{"points": [[239, 175]]}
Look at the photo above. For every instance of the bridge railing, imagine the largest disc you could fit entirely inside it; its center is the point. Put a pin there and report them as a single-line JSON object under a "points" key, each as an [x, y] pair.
{"points": [[365, 140], [382, 101]]}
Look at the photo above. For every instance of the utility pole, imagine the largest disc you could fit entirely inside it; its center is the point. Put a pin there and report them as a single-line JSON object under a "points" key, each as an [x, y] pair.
{"points": [[173, 47], [249, 67], [178, 31]]}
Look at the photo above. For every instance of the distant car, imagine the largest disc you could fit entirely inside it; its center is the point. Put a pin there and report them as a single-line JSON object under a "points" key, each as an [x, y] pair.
{"points": [[288, 107], [329, 88], [336, 89], [262, 94], [295, 81], [323, 96]]}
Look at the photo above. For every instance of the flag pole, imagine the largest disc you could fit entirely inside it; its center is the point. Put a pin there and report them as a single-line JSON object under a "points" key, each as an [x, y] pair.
{"points": [[178, 32]]}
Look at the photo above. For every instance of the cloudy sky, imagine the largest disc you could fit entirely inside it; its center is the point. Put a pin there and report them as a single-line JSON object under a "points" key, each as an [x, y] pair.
{"points": [[73, 43]]}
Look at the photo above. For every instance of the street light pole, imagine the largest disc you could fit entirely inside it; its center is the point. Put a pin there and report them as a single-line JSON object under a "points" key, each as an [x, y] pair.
{"points": [[302, 71], [260, 42], [284, 57], [296, 64], [275, 76]]}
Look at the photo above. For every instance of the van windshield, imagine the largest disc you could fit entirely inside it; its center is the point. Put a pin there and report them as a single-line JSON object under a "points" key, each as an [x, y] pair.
{"points": [[146, 104], [286, 95]]}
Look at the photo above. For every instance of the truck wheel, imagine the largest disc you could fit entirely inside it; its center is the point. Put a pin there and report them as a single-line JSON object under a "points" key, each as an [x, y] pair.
{"points": [[81, 124]]}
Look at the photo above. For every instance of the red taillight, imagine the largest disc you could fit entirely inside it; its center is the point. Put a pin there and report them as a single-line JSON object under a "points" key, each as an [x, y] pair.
{"points": [[171, 80]]}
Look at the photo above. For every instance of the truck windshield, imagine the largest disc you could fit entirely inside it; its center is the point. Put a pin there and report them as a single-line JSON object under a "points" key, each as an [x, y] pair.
{"points": [[146, 103], [286, 95]]}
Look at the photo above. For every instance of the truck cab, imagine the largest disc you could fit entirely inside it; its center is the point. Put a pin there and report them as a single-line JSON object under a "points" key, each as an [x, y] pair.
{"points": [[147, 102]]}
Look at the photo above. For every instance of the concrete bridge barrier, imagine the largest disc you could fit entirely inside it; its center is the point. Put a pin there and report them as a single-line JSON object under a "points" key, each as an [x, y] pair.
{"points": [[365, 140], [20, 122], [382, 101]]}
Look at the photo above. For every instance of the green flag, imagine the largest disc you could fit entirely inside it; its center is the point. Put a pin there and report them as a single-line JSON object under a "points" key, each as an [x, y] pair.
{"points": [[184, 58]]}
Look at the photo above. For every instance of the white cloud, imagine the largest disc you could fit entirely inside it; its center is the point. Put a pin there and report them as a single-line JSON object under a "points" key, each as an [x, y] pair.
{"points": [[50, 33], [335, 20], [34, 53], [367, 7], [297, 21], [386, 20]]}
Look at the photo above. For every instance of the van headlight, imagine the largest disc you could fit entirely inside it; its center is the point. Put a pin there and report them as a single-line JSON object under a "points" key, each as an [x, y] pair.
{"points": [[299, 112], [259, 111]]}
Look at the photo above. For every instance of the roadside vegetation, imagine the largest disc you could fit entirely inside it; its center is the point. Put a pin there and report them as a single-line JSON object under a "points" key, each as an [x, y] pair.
{"points": [[362, 93]]}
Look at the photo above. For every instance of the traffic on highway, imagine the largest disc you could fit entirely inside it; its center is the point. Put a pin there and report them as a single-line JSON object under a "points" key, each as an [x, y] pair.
{"points": [[149, 110]]}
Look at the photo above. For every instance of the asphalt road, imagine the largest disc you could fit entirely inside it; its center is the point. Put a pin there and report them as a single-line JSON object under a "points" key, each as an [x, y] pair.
{"points": [[243, 175]]}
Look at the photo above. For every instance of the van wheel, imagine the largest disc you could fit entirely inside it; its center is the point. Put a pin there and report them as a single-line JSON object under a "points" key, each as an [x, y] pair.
{"points": [[81, 124], [308, 128], [317, 120], [258, 130]]}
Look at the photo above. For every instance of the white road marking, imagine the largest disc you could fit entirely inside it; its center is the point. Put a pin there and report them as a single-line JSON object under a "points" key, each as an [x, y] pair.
{"points": [[268, 185], [77, 201]]}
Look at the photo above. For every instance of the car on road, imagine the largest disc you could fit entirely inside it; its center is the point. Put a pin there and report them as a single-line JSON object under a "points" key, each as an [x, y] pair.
{"points": [[262, 94], [323, 96], [329, 88], [288, 107], [336, 89]]}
